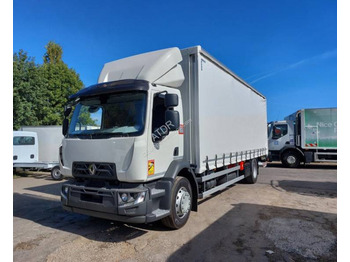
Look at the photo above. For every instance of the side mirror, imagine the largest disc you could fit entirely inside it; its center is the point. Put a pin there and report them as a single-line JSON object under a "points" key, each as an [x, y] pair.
{"points": [[65, 126], [171, 100], [67, 111], [172, 120]]}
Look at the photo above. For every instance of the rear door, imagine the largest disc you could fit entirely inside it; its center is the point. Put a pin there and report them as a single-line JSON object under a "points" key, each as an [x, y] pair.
{"points": [[25, 148]]}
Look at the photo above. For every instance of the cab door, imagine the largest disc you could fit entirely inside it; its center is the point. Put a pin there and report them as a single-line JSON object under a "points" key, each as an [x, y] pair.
{"points": [[278, 136], [164, 144]]}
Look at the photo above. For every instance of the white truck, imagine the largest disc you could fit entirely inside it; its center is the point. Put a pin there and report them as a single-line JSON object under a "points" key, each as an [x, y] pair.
{"points": [[308, 135], [36, 147], [159, 131]]}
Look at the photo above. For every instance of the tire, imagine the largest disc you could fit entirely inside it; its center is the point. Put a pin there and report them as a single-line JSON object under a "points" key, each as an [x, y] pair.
{"points": [[181, 203], [56, 173], [291, 159], [254, 171]]}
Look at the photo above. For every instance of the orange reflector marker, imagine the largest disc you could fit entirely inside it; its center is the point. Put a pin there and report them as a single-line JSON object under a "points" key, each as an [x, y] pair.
{"points": [[241, 165]]}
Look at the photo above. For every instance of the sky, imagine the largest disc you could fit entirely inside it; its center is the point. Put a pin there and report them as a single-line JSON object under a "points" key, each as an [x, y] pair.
{"points": [[287, 50]]}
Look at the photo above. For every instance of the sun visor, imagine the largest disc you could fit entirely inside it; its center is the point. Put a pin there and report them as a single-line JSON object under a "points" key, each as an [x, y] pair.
{"points": [[159, 67]]}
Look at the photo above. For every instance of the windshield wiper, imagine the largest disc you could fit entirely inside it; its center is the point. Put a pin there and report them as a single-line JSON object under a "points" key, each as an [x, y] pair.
{"points": [[100, 135], [106, 135]]}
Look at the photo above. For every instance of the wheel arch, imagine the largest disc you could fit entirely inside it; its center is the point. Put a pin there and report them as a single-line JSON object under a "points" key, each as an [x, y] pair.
{"points": [[293, 149], [182, 168]]}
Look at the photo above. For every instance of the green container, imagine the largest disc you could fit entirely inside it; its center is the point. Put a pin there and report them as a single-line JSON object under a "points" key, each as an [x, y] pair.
{"points": [[320, 128]]}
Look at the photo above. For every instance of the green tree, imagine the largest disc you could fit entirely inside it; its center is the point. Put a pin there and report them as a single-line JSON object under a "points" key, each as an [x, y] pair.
{"points": [[41, 91], [53, 53], [26, 90], [59, 83]]}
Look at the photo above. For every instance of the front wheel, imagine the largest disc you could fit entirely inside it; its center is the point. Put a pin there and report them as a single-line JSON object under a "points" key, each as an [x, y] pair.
{"points": [[56, 173], [291, 159], [181, 202]]}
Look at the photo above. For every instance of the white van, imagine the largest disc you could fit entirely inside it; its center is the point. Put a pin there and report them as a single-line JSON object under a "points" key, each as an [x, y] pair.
{"points": [[38, 148], [25, 147]]}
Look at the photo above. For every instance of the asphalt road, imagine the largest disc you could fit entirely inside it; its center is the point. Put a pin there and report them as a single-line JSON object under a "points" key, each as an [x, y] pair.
{"points": [[289, 215]]}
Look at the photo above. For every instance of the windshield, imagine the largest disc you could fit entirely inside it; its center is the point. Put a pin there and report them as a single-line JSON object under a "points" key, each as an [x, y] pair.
{"points": [[269, 126], [114, 115]]}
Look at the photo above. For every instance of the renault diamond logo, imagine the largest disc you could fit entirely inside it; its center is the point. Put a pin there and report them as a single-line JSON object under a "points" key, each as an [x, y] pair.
{"points": [[92, 169]]}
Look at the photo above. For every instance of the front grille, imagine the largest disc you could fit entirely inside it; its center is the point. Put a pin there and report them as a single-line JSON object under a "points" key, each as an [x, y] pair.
{"points": [[95, 170]]}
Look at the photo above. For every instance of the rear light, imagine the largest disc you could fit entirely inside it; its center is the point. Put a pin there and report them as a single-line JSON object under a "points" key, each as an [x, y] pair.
{"points": [[231, 165], [15, 157], [31, 156]]}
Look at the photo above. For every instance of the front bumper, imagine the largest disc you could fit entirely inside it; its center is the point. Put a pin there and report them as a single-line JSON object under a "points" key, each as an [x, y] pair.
{"points": [[106, 202]]}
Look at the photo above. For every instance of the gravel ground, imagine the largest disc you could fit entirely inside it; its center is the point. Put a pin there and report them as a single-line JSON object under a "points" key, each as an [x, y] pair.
{"points": [[289, 215]]}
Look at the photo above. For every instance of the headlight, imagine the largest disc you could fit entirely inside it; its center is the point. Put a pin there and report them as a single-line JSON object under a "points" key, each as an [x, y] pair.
{"points": [[140, 197], [132, 198], [124, 197], [65, 190]]}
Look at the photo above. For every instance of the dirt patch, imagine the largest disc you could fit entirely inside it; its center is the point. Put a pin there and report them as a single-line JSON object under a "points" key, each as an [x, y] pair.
{"points": [[305, 238], [240, 244], [87, 250], [28, 245]]}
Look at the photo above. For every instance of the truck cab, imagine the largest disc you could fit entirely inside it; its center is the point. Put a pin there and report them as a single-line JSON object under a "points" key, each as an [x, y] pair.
{"points": [[280, 134], [129, 121], [282, 145]]}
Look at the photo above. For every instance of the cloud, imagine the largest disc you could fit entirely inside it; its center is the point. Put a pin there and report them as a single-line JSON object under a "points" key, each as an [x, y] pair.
{"points": [[319, 57]]}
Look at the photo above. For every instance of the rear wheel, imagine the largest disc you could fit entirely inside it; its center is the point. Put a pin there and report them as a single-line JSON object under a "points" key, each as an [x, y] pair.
{"points": [[56, 173], [181, 202], [253, 177], [291, 159]]}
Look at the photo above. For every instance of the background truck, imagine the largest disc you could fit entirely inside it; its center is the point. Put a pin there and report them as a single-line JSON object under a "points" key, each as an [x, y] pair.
{"points": [[158, 132], [36, 147], [308, 135]]}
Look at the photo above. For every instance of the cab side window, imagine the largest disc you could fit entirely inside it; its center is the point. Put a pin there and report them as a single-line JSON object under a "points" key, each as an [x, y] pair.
{"points": [[279, 131]]}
